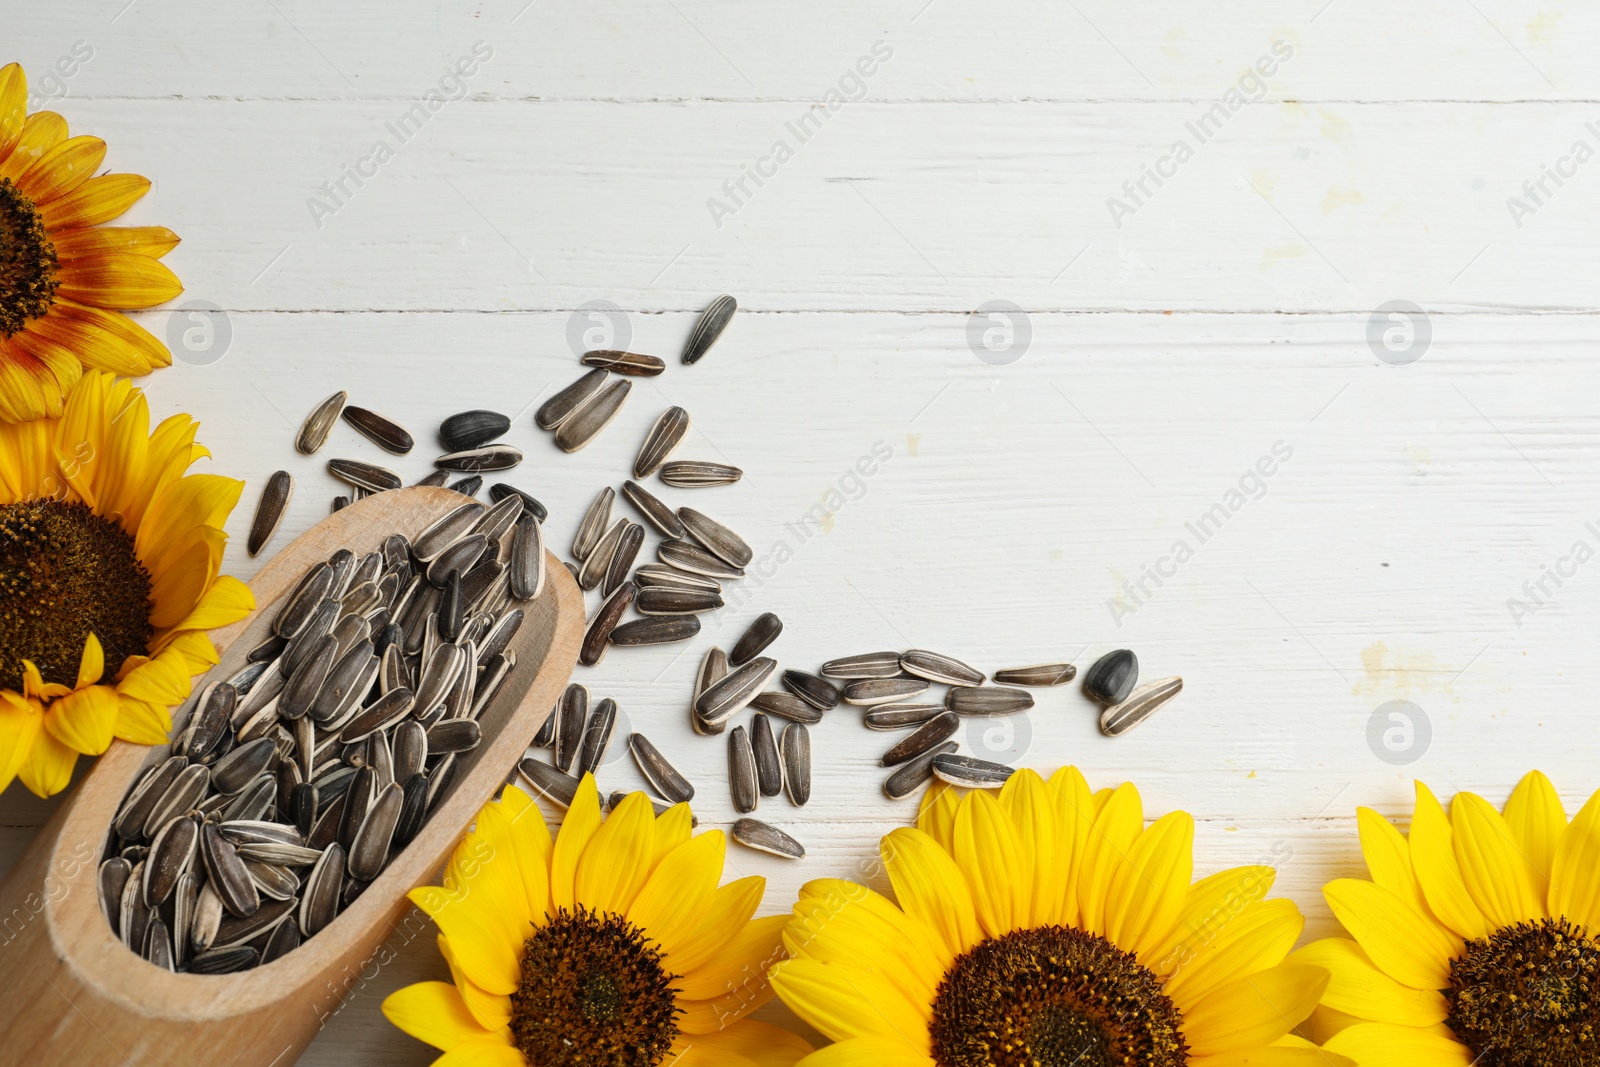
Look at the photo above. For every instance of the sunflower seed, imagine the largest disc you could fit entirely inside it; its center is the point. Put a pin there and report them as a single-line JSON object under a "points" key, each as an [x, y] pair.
{"points": [[713, 668], [133, 914], [435, 479], [170, 855], [303, 806], [438, 675], [560, 407], [769, 766], [597, 639], [866, 665], [385, 433], [1112, 677], [478, 460], [413, 809], [753, 833], [268, 650], [725, 698], [697, 474], [574, 712], [660, 600], [817, 692], [884, 690], [755, 639], [586, 423], [594, 524], [597, 736], [786, 706], [796, 748], [717, 538], [284, 939], [946, 670], [970, 772], [409, 742], [549, 782], [350, 678], [499, 634], [218, 702], [238, 768], [206, 920], [454, 735], [269, 510], [113, 879], [1139, 705], [663, 518], [546, 737], [370, 849], [621, 562], [224, 960], [656, 630], [356, 801], [987, 700], [158, 944], [1043, 674], [899, 716], [664, 436], [185, 792], [257, 831], [661, 576], [319, 903], [244, 679], [446, 531], [252, 802], [460, 556], [526, 569], [225, 870], [308, 595], [531, 506], [314, 431], [366, 476], [472, 429], [742, 771], [278, 853], [692, 558], [476, 583], [389, 709], [184, 897], [339, 504], [708, 327], [143, 798], [632, 364], [933, 732], [451, 613], [662, 776]]}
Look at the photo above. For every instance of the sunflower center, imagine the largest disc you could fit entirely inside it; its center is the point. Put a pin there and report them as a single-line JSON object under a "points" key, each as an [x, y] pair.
{"points": [[1054, 996], [1528, 996], [27, 261], [65, 573], [593, 992]]}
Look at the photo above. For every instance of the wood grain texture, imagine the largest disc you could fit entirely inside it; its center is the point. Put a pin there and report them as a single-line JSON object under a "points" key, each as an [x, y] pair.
{"points": [[75, 994], [1167, 356]]}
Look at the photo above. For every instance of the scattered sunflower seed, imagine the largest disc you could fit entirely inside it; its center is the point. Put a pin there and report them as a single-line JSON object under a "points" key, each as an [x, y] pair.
{"points": [[657, 514], [472, 429], [755, 639], [945, 670], [818, 692], [366, 476], [866, 665], [596, 520], [899, 716], [530, 505], [1040, 675], [753, 833], [1139, 706], [742, 780], [726, 697], [656, 630], [698, 474], [662, 776], [314, 431], [385, 433], [526, 571], [987, 700], [553, 412], [583, 425], [632, 364], [796, 747], [596, 737], [884, 690], [717, 538], [574, 714], [468, 486], [664, 436], [663, 600], [338, 505], [708, 327], [622, 558], [696, 560], [786, 706], [548, 782], [713, 668], [1112, 677], [598, 637], [661, 576], [769, 765], [930, 734], [269, 510], [477, 460], [969, 772], [911, 775]]}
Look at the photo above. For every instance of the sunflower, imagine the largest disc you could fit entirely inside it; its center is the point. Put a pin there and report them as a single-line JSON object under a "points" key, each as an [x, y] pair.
{"points": [[1474, 940], [1049, 927], [64, 277], [611, 946], [108, 576]]}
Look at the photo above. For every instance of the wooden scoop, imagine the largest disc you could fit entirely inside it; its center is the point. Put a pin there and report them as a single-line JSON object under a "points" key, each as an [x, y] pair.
{"points": [[72, 994]]}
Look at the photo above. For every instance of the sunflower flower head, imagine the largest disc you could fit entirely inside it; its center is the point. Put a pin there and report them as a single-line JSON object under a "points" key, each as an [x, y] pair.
{"points": [[65, 277], [611, 945], [1473, 941], [109, 561], [1047, 926]]}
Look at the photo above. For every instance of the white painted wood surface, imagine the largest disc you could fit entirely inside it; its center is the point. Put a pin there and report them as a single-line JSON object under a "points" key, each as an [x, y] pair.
{"points": [[1229, 313]]}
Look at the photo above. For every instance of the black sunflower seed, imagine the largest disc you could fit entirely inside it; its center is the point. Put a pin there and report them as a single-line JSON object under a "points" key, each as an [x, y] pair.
{"points": [[472, 429], [383, 432], [269, 510]]}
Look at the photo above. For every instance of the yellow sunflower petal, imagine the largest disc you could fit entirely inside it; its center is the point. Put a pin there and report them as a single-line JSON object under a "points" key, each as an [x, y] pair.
{"points": [[1358, 988], [485, 1052], [83, 720], [435, 1013], [616, 864], [154, 241], [1260, 938], [930, 887], [20, 723], [142, 723], [1388, 856], [1027, 800], [1575, 870], [1387, 1045], [1407, 945], [988, 849], [191, 650], [13, 106], [492, 1012], [1148, 888], [62, 169], [1537, 820], [868, 1052], [226, 600], [731, 907], [1208, 907], [47, 769], [1433, 859], [577, 828], [1253, 1011], [1111, 837], [520, 851], [41, 131], [672, 905], [694, 1050], [29, 389], [741, 965], [762, 1044], [118, 280], [1279, 1054], [95, 201], [1075, 814], [673, 827], [849, 923], [92, 664], [844, 1003], [164, 680], [936, 813], [477, 936], [1502, 881]]}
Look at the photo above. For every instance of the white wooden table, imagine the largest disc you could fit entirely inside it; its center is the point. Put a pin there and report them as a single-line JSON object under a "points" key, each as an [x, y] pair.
{"points": [[1429, 468]]}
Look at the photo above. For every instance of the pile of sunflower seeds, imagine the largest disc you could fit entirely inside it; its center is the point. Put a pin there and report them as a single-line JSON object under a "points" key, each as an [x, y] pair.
{"points": [[298, 779]]}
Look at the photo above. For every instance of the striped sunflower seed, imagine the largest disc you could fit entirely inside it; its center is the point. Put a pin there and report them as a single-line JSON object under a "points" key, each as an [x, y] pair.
{"points": [[930, 734], [596, 737], [460, 556], [530, 504], [987, 700], [1038, 676], [446, 531], [559, 408], [742, 775], [866, 665], [698, 474], [478, 460], [657, 514], [368, 476], [301, 604], [324, 886], [274, 502], [585, 424], [548, 782], [946, 670], [713, 668], [435, 479], [569, 730], [112, 881], [621, 563], [661, 600], [656, 630], [383, 432], [753, 833], [413, 808], [708, 327], [314, 431], [498, 520], [786, 706], [725, 698], [226, 871], [665, 435], [454, 735], [661, 576], [526, 571], [632, 364], [818, 692], [692, 558], [884, 690], [756, 638], [467, 430], [662, 776], [224, 960], [170, 856], [717, 538], [339, 504], [796, 748], [598, 637], [284, 939], [899, 716], [769, 765], [1139, 706], [596, 520], [370, 850], [239, 768], [969, 772]]}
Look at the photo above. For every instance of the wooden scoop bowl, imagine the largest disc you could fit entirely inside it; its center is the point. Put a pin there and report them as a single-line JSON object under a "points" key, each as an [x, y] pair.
{"points": [[72, 994]]}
